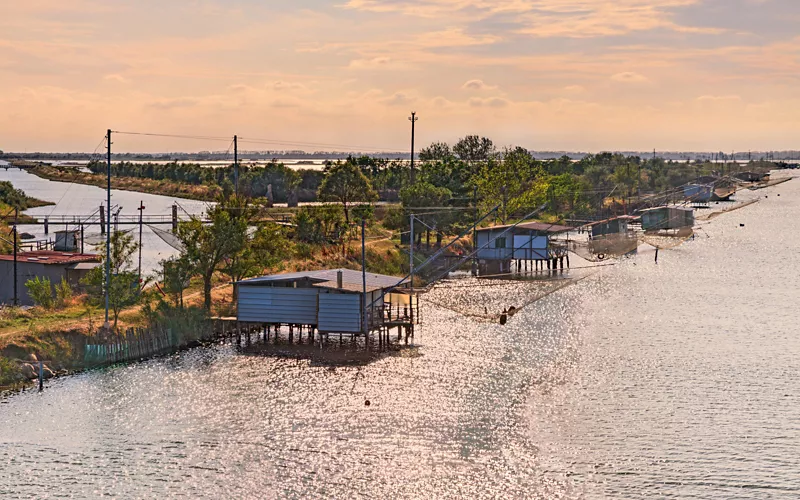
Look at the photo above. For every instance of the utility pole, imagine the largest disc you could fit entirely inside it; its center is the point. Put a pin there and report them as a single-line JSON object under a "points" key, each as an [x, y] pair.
{"points": [[475, 230], [236, 165], [141, 212], [364, 310], [108, 222], [411, 270], [16, 284], [413, 118]]}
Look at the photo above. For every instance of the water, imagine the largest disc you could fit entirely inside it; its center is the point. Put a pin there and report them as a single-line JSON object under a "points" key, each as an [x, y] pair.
{"points": [[81, 200], [668, 380]]}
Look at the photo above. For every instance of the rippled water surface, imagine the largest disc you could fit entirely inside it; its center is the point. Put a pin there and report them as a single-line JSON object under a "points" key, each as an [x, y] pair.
{"points": [[677, 379]]}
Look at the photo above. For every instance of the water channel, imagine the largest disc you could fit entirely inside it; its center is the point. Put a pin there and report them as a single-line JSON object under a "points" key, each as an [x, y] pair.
{"points": [[668, 380]]}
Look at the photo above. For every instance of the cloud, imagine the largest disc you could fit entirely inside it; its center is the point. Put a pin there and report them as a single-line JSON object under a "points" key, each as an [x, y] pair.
{"points": [[477, 85], [719, 98], [441, 102], [115, 78], [629, 77], [288, 86], [550, 18], [398, 99], [179, 102], [491, 102], [375, 62], [575, 89]]}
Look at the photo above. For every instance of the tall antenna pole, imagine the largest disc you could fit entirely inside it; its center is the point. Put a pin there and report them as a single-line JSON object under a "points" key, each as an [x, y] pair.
{"points": [[411, 269], [365, 325], [413, 118], [141, 213], [236, 165], [108, 221]]}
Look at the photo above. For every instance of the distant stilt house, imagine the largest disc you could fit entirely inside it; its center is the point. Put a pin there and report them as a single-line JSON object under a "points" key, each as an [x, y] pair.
{"points": [[752, 177], [610, 238], [329, 301], [616, 225], [530, 242], [707, 179], [698, 193], [667, 218], [66, 241]]}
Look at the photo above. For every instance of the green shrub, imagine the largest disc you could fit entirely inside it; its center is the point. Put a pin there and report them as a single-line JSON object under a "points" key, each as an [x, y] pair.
{"points": [[41, 291], [303, 251], [63, 293], [9, 372]]}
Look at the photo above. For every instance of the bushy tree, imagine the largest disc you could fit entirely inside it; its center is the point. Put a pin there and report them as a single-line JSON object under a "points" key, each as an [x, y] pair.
{"points": [[206, 245], [125, 288], [264, 249], [63, 293], [40, 291], [176, 275], [345, 183], [474, 148]]}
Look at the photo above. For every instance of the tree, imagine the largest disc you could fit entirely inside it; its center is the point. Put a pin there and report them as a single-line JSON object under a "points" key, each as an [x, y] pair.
{"points": [[474, 148], [437, 151], [124, 289], [319, 224], [507, 180], [177, 272], [206, 245], [423, 194], [346, 184], [266, 248]]}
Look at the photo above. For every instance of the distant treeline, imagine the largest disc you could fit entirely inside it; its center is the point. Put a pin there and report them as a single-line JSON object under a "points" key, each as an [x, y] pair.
{"points": [[471, 170]]}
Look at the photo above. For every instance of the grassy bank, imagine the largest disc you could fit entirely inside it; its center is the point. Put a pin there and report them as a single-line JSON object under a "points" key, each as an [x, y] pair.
{"points": [[56, 335], [161, 187]]}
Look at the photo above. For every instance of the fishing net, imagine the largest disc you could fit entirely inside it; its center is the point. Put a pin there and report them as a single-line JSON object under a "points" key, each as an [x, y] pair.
{"points": [[485, 299], [97, 239], [605, 247], [716, 214], [667, 239], [168, 238]]}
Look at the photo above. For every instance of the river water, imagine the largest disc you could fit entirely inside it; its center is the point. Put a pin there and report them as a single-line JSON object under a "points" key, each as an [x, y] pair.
{"points": [[80, 200], [645, 380]]}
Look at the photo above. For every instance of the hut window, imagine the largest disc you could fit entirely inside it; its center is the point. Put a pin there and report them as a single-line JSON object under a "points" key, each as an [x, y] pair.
{"points": [[500, 243]]}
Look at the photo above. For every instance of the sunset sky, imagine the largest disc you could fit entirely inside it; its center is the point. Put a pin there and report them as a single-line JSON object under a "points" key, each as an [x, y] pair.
{"points": [[583, 75]]}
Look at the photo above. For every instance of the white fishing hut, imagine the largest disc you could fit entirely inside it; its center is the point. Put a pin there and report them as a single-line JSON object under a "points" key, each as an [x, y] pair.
{"points": [[331, 301], [535, 242]]}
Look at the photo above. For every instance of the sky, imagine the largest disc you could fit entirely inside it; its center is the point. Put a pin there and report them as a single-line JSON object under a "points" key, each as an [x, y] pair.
{"points": [[577, 75]]}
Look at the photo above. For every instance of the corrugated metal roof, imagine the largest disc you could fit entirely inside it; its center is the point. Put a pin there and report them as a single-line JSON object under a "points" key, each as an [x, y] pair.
{"points": [[51, 257], [84, 266], [532, 226], [349, 277], [685, 209], [349, 287]]}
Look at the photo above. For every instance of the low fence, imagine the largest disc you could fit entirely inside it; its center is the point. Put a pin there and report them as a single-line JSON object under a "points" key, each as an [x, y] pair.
{"points": [[129, 345]]}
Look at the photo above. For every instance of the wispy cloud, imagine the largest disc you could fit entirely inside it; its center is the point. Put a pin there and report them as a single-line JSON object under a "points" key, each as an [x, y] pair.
{"points": [[591, 70]]}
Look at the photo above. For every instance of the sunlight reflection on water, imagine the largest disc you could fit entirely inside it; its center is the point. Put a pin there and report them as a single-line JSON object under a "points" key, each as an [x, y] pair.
{"points": [[669, 380]]}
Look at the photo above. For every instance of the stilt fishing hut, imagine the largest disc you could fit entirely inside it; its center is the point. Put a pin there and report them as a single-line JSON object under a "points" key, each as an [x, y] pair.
{"points": [[667, 218], [608, 238], [533, 244], [334, 301], [698, 193], [667, 227]]}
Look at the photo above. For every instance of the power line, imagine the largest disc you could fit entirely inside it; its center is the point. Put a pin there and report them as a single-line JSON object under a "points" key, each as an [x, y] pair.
{"points": [[175, 136]]}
